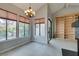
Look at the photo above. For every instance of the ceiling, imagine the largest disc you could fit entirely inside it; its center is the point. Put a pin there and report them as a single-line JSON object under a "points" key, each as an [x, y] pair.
{"points": [[53, 7], [56, 7], [35, 6]]}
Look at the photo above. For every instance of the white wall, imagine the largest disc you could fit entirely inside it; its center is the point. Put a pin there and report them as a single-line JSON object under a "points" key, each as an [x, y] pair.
{"points": [[66, 11], [42, 12], [49, 11], [10, 44]]}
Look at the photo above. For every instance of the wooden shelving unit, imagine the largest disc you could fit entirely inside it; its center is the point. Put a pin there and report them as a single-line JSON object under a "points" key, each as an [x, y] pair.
{"points": [[60, 27], [64, 27]]}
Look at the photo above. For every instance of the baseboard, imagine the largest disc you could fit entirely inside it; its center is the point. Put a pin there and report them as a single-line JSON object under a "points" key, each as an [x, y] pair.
{"points": [[40, 42]]}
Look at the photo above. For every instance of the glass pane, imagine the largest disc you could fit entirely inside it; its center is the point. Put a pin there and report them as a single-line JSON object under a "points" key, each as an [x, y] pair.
{"points": [[49, 26], [21, 29], [42, 29], [11, 29], [26, 30], [2, 29], [37, 29]]}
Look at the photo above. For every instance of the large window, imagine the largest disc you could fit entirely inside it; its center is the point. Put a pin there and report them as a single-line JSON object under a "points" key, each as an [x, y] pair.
{"points": [[11, 29], [8, 28], [2, 29], [26, 30], [37, 30], [42, 29], [21, 29]]}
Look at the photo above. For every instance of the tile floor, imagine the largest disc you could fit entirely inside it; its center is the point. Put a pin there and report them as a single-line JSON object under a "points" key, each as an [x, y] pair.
{"points": [[34, 49]]}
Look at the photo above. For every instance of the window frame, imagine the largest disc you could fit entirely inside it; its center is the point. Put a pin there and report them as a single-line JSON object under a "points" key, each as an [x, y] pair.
{"points": [[42, 24], [39, 28], [23, 30], [6, 38], [7, 28]]}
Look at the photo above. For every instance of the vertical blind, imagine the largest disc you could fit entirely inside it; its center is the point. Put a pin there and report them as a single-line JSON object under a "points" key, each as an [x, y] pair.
{"points": [[27, 21], [12, 16], [40, 21], [21, 19], [24, 19], [3, 13]]}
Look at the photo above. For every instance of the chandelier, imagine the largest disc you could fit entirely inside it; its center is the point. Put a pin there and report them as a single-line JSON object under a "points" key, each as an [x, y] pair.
{"points": [[29, 12]]}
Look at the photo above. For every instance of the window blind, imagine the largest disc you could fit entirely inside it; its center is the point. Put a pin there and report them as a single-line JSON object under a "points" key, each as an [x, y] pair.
{"points": [[24, 19], [40, 21], [12, 16], [3, 13]]}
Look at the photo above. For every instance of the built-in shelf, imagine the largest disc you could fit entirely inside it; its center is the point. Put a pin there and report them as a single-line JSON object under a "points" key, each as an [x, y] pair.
{"points": [[64, 27]]}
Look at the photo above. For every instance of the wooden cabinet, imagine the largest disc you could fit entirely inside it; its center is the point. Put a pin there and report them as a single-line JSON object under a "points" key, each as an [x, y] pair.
{"points": [[64, 27]]}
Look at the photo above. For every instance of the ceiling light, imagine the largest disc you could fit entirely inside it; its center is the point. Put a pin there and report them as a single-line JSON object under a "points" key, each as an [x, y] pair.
{"points": [[29, 12]]}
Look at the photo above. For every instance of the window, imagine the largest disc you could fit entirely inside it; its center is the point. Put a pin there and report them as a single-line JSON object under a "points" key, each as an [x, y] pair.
{"points": [[37, 30], [8, 21], [2, 29], [11, 29], [42, 29], [26, 30], [21, 29]]}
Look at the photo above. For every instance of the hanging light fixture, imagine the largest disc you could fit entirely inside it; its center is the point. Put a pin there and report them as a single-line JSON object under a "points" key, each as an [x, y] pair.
{"points": [[29, 12]]}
